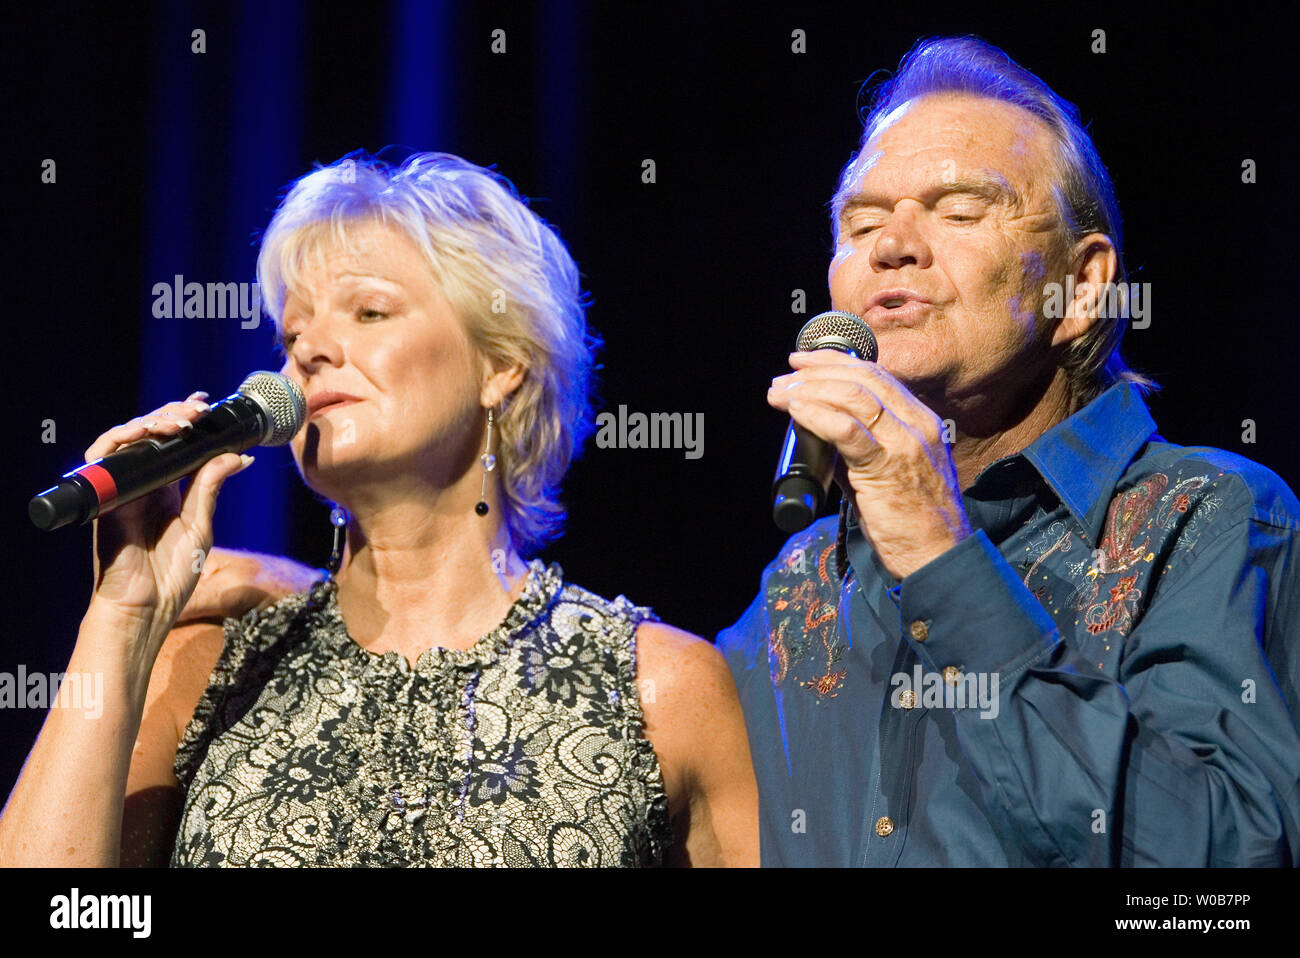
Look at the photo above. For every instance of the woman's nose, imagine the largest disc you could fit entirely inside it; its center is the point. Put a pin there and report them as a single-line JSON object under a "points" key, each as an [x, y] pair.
{"points": [[316, 345]]}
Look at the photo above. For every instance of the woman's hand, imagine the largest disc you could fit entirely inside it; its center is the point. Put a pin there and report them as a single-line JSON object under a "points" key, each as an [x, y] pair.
{"points": [[149, 553]]}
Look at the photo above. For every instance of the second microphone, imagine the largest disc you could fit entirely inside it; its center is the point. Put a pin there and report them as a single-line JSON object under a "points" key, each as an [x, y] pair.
{"points": [[807, 463]]}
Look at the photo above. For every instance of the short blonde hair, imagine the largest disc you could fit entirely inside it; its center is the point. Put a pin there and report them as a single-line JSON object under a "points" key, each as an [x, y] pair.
{"points": [[507, 275]]}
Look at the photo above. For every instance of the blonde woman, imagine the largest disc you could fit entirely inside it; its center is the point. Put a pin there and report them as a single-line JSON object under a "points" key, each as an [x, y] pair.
{"points": [[438, 699]]}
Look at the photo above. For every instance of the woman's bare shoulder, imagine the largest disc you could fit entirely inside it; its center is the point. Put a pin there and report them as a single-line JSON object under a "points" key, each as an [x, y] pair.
{"points": [[694, 721], [674, 659]]}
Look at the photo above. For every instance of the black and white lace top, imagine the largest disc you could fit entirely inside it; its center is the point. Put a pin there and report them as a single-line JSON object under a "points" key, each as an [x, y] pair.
{"points": [[524, 749]]}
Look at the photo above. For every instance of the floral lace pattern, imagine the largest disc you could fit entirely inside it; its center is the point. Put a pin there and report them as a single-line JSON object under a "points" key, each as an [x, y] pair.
{"points": [[526, 749]]}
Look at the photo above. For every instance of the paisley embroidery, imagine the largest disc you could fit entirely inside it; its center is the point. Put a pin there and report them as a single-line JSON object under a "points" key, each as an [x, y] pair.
{"points": [[1194, 513], [1061, 539], [1117, 613], [1177, 500], [806, 605], [1125, 517], [1153, 504]]}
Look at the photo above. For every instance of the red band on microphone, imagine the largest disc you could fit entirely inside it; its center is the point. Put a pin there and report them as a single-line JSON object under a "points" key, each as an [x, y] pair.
{"points": [[98, 476]]}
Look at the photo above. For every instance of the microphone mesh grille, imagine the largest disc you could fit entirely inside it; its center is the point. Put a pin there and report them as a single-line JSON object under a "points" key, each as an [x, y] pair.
{"points": [[282, 398], [838, 330]]}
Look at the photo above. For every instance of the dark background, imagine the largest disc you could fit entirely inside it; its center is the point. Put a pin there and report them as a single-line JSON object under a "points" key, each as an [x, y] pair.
{"points": [[171, 162]]}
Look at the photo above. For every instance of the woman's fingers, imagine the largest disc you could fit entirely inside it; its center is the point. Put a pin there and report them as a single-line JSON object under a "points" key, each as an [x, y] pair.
{"points": [[166, 420], [114, 438], [200, 500]]}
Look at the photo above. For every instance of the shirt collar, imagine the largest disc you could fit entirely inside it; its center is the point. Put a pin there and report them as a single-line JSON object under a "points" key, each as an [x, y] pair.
{"points": [[1083, 457]]}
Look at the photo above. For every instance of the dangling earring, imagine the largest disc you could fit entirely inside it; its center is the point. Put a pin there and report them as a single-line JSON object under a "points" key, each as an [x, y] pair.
{"points": [[488, 462], [339, 520]]}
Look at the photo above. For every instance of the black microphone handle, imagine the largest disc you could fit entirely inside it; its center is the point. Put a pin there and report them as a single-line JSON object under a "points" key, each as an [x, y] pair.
{"points": [[803, 479], [807, 464], [234, 424]]}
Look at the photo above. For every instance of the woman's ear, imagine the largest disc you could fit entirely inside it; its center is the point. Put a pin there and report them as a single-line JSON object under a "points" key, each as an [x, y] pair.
{"points": [[500, 384]]}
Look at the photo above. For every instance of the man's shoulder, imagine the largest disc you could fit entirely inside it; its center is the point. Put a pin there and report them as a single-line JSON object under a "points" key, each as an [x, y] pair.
{"points": [[234, 581], [1215, 481]]}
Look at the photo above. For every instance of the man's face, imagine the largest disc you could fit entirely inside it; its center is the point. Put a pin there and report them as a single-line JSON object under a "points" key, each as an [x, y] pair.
{"points": [[949, 206]]}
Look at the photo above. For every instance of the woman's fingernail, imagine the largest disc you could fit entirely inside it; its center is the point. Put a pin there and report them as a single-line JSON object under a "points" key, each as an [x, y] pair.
{"points": [[246, 460], [150, 424], [200, 405], [198, 394], [185, 424]]}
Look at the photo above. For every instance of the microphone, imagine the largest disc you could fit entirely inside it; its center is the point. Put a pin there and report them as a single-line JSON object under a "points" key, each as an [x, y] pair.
{"points": [[807, 463], [267, 410]]}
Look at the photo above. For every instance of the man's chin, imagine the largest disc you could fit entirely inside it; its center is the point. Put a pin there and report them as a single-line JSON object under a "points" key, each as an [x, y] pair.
{"points": [[917, 372]]}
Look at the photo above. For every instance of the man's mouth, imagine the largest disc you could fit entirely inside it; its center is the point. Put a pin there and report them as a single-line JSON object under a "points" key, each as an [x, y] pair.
{"points": [[896, 311]]}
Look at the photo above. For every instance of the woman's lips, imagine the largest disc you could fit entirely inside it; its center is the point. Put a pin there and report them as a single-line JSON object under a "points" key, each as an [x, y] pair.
{"points": [[335, 404]]}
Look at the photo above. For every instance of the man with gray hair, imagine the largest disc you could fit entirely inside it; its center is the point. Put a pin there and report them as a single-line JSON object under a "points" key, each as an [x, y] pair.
{"points": [[1038, 634]]}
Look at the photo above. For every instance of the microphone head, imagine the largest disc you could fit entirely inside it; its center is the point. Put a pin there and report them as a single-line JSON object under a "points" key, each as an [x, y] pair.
{"points": [[837, 329], [282, 401]]}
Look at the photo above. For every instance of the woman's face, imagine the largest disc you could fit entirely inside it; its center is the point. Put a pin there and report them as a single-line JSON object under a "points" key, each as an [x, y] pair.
{"points": [[391, 381]]}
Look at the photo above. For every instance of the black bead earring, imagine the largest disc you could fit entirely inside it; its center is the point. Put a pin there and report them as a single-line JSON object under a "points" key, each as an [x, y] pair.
{"points": [[488, 462]]}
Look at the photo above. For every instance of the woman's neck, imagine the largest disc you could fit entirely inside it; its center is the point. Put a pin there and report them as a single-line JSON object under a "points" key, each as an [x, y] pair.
{"points": [[415, 575]]}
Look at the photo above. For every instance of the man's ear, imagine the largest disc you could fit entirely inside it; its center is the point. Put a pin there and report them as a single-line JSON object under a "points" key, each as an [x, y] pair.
{"points": [[1093, 265], [500, 384]]}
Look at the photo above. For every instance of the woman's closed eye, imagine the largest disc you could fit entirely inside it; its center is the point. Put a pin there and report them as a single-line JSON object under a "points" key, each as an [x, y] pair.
{"points": [[284, 342]]}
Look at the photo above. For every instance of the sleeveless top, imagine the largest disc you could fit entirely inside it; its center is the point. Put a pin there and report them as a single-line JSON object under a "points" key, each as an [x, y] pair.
{"points": [[526, 749]]}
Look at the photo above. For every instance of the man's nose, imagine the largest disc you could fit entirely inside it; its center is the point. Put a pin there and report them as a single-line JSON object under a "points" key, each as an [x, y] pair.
{"points": [[900, 241]]}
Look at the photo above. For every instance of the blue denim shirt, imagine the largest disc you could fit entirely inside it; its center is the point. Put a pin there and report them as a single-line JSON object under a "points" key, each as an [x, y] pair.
{"points": [[1104, 673]]}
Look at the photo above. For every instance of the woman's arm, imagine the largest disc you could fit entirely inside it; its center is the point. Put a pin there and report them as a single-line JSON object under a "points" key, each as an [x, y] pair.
{"points": [[66, 809], [694, 721], [79, 757], [67, 806]]}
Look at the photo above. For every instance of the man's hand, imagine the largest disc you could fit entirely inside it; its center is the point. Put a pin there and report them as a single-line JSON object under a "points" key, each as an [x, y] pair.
{"points": [[900, 470], [234, 582]]}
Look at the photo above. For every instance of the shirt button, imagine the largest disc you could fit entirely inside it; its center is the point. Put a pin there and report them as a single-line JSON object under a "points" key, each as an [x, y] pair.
{"points": [[919, 630], [907, 699], [884, 826], [952, 675]]}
